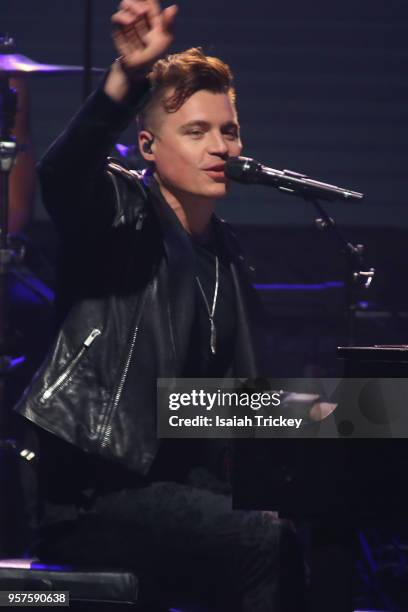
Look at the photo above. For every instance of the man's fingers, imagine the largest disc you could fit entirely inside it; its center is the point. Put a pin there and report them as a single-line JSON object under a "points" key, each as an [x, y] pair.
{"points": [[168, 16], [125, 18], [129, 10], [126, 44], [142, 31], [146, 13], [136, 25], [164, 21], [133, 5], [153, 7]]}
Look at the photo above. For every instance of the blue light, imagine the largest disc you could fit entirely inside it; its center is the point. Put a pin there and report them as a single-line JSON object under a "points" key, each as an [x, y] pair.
{"points": [[301, 287], [52, 568]]}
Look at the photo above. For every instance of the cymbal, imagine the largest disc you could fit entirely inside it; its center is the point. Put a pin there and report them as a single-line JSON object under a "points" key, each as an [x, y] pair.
{"points": [[14, 65]]}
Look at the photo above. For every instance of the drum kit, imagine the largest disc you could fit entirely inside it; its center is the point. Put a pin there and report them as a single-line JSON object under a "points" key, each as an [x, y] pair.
{"points": [[13, 272]]}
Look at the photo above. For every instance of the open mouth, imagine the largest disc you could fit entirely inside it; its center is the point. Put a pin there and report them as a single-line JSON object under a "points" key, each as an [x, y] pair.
{"points": [[216, 173]]}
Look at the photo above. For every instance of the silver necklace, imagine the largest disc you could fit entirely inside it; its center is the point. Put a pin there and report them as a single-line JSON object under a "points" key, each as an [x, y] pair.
{"points": [[213, 331]]}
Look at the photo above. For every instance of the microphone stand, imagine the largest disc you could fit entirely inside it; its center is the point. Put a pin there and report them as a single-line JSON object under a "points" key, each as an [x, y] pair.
{"points": [[356, 276], [249, 171], [333, 553]]}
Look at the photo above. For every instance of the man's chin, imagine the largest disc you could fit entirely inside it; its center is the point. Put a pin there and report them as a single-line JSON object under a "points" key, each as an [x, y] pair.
{"points": [[212, 193], [218, 190]]}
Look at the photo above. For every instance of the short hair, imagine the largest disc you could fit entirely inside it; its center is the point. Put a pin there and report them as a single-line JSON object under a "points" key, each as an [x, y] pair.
{"points": [[185, 73]]}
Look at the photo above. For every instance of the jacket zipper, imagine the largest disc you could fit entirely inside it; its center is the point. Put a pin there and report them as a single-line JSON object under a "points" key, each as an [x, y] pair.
{"points": [[106, 428], [140, 220], [66, 374], [119, 390]]}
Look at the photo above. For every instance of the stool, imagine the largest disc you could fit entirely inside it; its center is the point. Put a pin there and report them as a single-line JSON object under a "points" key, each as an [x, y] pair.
{"points": [[88, 590]]}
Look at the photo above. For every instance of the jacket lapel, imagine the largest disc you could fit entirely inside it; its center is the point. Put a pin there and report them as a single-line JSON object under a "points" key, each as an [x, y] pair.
{"points": [[247, 344], [180, 272]]}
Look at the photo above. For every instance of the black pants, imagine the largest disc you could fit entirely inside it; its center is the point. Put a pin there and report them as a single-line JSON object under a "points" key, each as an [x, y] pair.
{"points": [[188, 546]]}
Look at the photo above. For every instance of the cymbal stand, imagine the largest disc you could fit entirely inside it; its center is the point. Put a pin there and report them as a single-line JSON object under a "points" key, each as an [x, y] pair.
{"points": [[8, 152], [87, 76], [10, 449]]}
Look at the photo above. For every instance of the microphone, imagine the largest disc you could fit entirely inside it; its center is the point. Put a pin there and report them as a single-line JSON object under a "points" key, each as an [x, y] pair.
{"points": [[248, 171]]}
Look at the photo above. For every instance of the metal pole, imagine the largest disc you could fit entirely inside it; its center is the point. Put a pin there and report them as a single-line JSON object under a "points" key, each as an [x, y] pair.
{"points": [[87, 78]]}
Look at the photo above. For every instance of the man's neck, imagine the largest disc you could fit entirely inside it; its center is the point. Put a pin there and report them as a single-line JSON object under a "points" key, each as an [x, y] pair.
{"points": [[194, 213]]}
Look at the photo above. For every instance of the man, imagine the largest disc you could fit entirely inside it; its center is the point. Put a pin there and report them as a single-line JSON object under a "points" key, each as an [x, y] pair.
{"points": [[151, 286]]}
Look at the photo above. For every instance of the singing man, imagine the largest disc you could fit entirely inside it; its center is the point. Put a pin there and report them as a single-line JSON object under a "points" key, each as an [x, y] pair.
{"points": [[152, 284]]}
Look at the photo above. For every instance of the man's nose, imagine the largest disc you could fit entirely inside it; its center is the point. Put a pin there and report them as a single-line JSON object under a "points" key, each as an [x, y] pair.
{"points": [[218, 144]]}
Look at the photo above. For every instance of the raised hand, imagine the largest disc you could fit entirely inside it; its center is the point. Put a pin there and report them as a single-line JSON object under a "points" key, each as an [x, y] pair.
{"points": [[142, 32]]}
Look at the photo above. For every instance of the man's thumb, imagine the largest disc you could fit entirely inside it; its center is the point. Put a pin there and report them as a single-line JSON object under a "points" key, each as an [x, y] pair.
{"points": [[168, 16]]}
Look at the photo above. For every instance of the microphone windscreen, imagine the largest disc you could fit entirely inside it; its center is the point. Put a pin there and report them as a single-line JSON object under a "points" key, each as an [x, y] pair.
{"points": [[241, 169], [234, 169]]}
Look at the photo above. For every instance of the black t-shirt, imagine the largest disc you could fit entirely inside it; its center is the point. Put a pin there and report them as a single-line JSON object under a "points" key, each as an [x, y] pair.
{"points": [[177, 457], [201, 362]]}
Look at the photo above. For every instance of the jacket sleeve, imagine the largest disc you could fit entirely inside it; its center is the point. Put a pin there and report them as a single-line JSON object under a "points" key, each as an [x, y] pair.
{"points": [[76, 189]]}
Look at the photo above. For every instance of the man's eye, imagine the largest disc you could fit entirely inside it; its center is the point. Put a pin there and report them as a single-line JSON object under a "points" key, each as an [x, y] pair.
{"points": [[231, 134], [195, 133]]}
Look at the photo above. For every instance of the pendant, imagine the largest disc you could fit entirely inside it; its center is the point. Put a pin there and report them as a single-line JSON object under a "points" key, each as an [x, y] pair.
{"points": [[213, 336]]}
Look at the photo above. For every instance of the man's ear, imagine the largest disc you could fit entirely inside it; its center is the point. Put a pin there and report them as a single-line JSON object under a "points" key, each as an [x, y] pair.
{"points": [[146, 140]]}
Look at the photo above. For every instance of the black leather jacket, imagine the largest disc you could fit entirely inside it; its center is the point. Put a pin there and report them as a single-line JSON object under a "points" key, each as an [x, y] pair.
{"points": [[126, 294]]}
